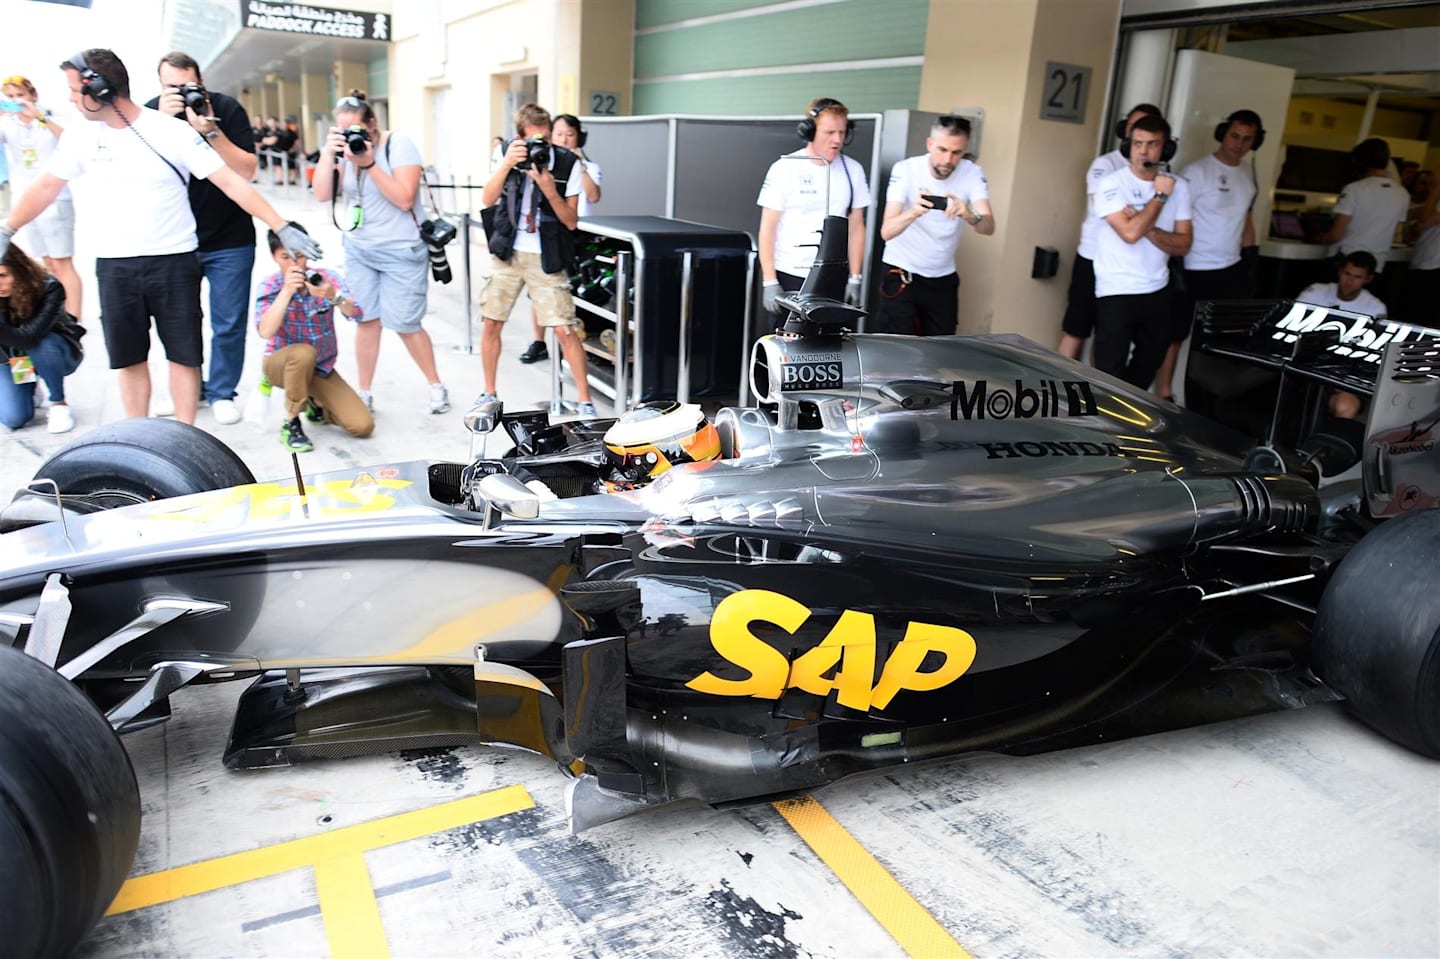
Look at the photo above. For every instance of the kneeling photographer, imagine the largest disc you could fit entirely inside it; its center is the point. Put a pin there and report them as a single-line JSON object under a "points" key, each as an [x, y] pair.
{"points": [[530, 212], [376, 173]]}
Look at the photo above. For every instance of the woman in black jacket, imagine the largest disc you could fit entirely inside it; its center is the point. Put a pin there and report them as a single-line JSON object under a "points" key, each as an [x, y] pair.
{"points": [[32, 313]]}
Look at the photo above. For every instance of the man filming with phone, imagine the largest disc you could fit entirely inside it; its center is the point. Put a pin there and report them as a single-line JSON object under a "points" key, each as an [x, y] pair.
{"points": [[929, 201]]}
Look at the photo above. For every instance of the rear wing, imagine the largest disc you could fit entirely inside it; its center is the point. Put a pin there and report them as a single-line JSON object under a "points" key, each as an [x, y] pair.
{"points": [[1401, 466]]}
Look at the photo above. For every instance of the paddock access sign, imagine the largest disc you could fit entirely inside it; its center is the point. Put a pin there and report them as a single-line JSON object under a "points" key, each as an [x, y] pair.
{"points": [[314, 21]]}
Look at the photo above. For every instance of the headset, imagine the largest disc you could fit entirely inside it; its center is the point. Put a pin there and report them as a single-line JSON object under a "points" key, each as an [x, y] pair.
{"points": [[92, 84], [581, 134], [805, 129], [1249, 117]]}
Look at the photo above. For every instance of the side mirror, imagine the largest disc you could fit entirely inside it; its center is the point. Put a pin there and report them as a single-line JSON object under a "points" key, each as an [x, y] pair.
{"points": [[507, 494], [484, 416]]}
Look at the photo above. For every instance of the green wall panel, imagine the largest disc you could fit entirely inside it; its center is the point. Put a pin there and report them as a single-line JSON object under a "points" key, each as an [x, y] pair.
{"points": [[863, 91], [854, 30], [655, 13]]}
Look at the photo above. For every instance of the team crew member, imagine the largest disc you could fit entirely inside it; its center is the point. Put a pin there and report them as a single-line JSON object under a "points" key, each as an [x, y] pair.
{"points": [[800, 190], [1348, 293], [920, 290], [1147, 215], [1079, 321], [29, 136], [225, 232], [296, 318], [1423, 280], [1369, 208], [1222, 197], [138, 161], [568, 133], [530, 216]]}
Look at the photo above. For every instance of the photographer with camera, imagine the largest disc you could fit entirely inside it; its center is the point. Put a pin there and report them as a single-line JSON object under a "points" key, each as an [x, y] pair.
{"points": [[295, 314], [928, 198], [531, 204], [225, 232], [378, 173]]}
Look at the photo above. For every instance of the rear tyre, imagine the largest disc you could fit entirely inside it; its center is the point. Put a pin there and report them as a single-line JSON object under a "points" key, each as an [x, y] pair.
{"points": [[132, 461], [1377, 635], [69, 810]]}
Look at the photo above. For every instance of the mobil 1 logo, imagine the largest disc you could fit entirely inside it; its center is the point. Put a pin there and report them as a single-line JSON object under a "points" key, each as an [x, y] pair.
{"points": [[812, 371], [1044, 399]]}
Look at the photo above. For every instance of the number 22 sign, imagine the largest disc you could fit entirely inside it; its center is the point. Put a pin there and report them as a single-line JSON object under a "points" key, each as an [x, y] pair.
{"points": [[1063, 95]]}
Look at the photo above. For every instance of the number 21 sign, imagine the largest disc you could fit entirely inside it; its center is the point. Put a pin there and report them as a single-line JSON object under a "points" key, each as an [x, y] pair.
{"points": [[1063, 95]]}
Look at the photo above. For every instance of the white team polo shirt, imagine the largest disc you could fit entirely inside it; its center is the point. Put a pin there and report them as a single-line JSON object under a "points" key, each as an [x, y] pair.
{"points": [[1328, 296], [1376, 205], [796, 185], [927, 246], [1127, 269], [135, 204], [1220, 200], [1103, 166]]}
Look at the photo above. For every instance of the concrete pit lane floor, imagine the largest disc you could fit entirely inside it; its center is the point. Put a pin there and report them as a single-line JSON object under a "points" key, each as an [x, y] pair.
{"points": [[1293, 834]]}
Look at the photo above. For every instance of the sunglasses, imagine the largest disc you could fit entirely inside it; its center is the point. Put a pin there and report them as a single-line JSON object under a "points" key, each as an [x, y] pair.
{"points": [[352, 103]]}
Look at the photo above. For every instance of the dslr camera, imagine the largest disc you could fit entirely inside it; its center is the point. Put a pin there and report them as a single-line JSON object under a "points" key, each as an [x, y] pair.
{"points": [[537, 155], [357, 138], [435, 233], [195, 98]]}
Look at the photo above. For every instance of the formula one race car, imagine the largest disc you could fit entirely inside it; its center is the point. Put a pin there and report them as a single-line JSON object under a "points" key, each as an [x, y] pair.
{"points": [[909, 548]]}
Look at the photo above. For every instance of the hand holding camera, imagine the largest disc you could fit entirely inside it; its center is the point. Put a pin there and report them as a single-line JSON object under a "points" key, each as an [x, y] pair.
{"points": [[536, 155], [320, 287]]}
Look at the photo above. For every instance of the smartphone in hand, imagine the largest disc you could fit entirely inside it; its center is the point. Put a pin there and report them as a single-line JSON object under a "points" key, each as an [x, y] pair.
{"points": [[937, 202]]}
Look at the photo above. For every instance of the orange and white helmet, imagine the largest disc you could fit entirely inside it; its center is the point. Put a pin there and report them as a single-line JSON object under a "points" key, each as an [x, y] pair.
{"points": [[651, 438]]}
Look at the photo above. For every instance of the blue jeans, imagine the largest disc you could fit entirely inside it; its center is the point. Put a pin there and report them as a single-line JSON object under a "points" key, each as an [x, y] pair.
{"points": [[229, 274], [54, 359]]}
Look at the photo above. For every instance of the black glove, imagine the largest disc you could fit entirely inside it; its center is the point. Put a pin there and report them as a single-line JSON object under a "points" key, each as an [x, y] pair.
{"points": [[768, 293], [298, 241]]}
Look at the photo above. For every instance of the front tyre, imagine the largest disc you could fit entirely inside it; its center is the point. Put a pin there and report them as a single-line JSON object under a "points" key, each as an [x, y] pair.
{"points": [[69, 810], [1377, 634]]}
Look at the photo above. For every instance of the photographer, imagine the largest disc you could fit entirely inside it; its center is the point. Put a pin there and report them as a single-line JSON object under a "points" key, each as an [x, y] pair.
{"points": [[928, 198], [531, 202], [385, 258], [295, 314], [568, 133], [225, 232]]}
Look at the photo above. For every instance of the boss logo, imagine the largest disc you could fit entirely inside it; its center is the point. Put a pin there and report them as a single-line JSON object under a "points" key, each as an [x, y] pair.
{"points": [[977, 401], [815, 371]]}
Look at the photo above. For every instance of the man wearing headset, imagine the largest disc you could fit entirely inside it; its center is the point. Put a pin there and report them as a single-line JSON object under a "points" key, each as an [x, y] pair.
{"points": [[225, 232], [1147, 221], [142, 229], [1222, 198], [926, 201], [1079, 321], [800, 190]]}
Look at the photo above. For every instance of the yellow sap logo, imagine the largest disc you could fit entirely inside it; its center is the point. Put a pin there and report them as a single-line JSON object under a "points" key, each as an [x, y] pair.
{"points": [[850, 645]]}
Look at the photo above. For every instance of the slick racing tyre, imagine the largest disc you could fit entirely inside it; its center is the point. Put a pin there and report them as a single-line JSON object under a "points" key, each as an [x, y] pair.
{"points": [[1377, 634], [131, 461], [69, 810]]}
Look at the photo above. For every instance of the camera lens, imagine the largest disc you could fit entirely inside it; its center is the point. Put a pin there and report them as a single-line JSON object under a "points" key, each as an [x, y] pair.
{"points": [[194, 96], [357, 139], [439, 264], [315, 279]]}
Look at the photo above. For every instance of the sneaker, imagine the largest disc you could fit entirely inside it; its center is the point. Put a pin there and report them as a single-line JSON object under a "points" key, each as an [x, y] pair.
{"points": [[162, 406], [226, 412], [313, 412], [535, 352], [367, 398], [292, 437], [439, 398], [61, 419], [587, 411]]}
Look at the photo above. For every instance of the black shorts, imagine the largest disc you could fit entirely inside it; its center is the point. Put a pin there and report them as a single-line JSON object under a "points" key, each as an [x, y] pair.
{"points": [[1229, 283], [924, 306], [133, 289], [1079, 319]]}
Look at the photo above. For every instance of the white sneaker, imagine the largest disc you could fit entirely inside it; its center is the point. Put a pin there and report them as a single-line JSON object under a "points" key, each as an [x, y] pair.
{"points": [[226, 412], [587, 411], [439, 398], [367, 398], [61, 419], [162, 406]]}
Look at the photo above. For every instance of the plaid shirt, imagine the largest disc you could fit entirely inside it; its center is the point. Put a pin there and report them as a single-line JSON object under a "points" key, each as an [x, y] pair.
{"points": [[308, 319]]}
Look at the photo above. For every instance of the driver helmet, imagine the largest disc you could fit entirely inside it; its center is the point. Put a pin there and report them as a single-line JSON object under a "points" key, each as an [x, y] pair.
{"points": [[652, 437]]}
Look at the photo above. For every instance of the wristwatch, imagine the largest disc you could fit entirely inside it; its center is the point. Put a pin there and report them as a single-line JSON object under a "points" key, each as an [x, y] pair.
{"points": [[213, 135], [1162, 197]]}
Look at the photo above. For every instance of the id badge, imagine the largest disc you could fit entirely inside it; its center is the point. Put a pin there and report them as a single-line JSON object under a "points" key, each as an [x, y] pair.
{"points": [[357, 216], [22, 369]]}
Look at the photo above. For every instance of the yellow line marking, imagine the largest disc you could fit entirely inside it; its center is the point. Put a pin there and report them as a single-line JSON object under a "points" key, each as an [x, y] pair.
{"points": [[903, 917], [347, 903], [191, 880]]}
